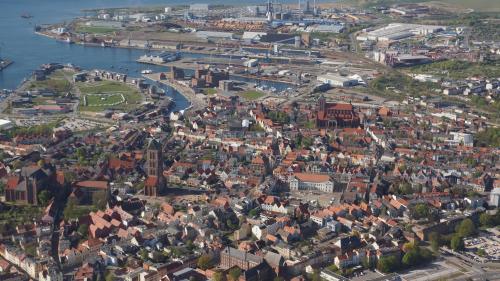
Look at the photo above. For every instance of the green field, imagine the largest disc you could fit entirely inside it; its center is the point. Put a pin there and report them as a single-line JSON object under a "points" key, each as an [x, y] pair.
{"points": [[477, 5], [209, 91], [99, 96], [55, 82], [95, 29], [251, 95], [458, 69]]}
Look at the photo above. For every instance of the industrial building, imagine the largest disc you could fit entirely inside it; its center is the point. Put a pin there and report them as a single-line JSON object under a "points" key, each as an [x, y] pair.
{"points": [[337, 80], [5, 124], [397, 31]]}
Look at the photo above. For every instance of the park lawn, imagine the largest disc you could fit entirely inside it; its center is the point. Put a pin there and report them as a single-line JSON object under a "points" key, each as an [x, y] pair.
{"points": [[95, 29], [458, 69], [95, 100], [59, 86], [131, 94], [477, 5], [251, 95], [19, 214], [209, 91]]}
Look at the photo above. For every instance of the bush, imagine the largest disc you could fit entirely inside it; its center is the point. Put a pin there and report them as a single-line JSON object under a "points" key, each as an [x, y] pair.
{"points": [[205, 262], [388, 264], [466, 228], [457, 243]]}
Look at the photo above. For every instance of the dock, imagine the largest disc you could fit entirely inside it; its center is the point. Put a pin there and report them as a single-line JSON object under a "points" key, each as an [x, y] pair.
{"points": [[4, 63]]}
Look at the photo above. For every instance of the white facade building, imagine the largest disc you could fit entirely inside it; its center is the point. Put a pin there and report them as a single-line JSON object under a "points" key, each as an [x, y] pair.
{"points": [[308, 181]]}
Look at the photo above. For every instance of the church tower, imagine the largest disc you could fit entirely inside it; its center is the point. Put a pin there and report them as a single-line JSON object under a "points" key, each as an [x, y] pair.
{"points": [[155, 182], [321, 103]]}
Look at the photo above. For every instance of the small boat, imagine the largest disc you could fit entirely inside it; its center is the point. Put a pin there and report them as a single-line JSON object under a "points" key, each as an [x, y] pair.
{"points": [[26, 16], [146, 71]]}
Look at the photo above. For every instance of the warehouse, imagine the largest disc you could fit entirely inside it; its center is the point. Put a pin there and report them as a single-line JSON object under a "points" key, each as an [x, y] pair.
{"points": [[5, 124], [337, 80], [397, 31]]}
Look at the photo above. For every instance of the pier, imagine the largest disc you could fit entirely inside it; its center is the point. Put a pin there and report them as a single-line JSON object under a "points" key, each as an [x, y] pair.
{"points": [[4, 63]]}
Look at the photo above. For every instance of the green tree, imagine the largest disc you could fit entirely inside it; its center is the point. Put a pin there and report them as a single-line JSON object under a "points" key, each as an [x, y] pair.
{"points": [[421, 211], [466, 228], [481, 252], [2, 188], [205, 262], [143, 253], [316, 276], [218, 276], [388, 264], [486, 220], [411, 258], [100, 199], [435, 241], [253, 213], [457, 243], [44, 197], [109, 276], [234, 273], [69, 210], [83, 229]]}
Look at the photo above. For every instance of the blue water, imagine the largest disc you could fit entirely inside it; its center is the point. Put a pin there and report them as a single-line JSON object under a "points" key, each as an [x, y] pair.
{"points": [[19, 43]]}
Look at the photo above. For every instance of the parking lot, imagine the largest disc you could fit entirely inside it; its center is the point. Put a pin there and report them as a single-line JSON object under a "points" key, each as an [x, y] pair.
{"points": [[77, 124], [486, 241], [323, 199]]}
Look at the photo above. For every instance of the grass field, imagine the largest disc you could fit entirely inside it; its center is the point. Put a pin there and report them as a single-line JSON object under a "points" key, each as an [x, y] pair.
{"points": [[55, 82], [96, 100], [209, 91], [251, 95], [95, 29], [104, 95], [477, 5], [458, 69]]}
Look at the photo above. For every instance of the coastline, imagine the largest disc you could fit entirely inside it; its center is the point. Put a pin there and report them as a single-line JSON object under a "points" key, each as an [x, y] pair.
{"points": [[167, 50], [195, 102]]}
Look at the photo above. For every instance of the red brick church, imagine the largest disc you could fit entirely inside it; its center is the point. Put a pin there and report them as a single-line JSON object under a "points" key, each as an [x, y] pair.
{"points": [[335, 115], [155, 182]]}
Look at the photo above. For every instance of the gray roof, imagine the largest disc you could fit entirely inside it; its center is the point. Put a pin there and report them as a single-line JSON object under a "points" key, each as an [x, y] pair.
{"points": [[242, 255], [153, 145]]}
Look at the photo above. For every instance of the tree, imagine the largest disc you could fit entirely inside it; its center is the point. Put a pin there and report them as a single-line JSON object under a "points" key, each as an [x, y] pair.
{"points": [[421, 211], [411, 258], [109, 276], [481, 252], [44, 197], [99, 200], [69, 210], [2, 188], [457, 243], [234, 273], [388, 264], [253, 213], [218, 276], [466, 228], [435, 240], [83, 229], [486, 220], [205, 262]]}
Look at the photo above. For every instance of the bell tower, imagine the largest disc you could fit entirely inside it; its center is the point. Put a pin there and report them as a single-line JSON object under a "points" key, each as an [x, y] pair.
{"points": [[155, 182]]}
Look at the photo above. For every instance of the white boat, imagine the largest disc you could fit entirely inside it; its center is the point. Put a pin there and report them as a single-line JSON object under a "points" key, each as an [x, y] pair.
{"points": [[146, 71]]}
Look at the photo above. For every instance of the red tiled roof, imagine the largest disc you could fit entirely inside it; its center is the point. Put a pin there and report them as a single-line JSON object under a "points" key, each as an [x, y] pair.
{"points": [[12, 182], [93, 184], [309, 177]]}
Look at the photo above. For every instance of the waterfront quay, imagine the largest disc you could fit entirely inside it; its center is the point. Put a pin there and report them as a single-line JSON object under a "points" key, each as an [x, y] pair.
{"points": [[4, 63]]}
